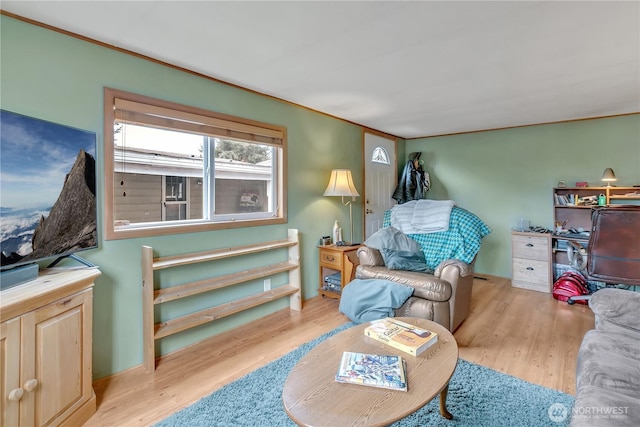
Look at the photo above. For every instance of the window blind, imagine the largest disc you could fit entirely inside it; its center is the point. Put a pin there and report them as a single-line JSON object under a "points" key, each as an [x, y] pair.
{"points": [[138, 113]]}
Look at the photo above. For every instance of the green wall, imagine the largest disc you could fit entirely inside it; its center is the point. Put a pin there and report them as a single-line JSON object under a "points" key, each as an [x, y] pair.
{"points": [[499, 175], [54, 77], [507, 174]]}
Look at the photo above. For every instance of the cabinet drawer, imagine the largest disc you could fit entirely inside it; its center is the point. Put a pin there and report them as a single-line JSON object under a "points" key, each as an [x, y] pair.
{"points": [[331, 259], [531, 274], [530, 247]]}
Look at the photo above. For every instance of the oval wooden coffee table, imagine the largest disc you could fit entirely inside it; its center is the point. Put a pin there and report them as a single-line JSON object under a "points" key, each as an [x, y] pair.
{"points": [[312, 397]]}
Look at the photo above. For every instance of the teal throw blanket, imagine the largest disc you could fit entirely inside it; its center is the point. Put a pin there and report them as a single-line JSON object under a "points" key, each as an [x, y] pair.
{"points": [[364, 300]]}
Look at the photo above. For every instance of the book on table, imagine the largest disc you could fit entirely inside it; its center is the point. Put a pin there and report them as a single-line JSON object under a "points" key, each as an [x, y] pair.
{"points": [[401, 335], [375, 370]]}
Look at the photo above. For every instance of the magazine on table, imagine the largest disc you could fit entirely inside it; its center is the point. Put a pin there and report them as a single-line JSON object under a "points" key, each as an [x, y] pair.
{"points": [[375, 370]]}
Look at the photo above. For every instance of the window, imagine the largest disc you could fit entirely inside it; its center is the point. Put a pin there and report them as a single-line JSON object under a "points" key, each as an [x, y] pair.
{"points": [[380, 156], [176, 203], [171, 168]]}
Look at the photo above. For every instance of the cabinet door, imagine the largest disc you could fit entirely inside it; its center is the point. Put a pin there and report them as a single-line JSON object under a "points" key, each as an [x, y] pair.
{"points": [[10, 372], [57, 354]]}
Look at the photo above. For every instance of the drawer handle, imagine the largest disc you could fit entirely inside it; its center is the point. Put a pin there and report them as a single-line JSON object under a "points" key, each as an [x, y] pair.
{"points": [[530, 268], [328, 258], [530, 245]]}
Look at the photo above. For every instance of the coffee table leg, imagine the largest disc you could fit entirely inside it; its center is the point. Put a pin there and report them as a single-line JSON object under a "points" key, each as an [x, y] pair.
{"points": [[443, 403]]}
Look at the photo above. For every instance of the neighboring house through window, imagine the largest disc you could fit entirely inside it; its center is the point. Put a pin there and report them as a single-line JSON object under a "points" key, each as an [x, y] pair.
{"points": [[176, 198], [176, 168]]}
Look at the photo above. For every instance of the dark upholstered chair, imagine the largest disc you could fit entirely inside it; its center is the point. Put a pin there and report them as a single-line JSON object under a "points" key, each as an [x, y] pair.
{"points": [[613, 253]]}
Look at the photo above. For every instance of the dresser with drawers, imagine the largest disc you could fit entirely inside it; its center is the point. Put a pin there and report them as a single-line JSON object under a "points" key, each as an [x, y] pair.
{"points": [[531, 261]]}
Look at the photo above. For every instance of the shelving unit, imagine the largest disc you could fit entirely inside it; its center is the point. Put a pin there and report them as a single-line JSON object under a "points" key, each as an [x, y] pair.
{"points": [[577, 215], [151, 297]]}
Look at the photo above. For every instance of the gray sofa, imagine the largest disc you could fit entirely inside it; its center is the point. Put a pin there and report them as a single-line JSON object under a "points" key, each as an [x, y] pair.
{"points": [[608, 368]]}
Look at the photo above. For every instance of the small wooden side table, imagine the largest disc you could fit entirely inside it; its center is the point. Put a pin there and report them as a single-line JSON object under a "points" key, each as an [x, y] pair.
{"points": [[336, 259]]}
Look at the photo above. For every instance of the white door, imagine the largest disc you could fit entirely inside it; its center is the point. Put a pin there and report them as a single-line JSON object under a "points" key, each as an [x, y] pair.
{"points": [[380, 179]]}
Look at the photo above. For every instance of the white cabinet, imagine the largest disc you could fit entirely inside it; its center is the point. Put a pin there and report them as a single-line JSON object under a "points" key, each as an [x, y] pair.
{"points": [[45, 350], [531, 261]]}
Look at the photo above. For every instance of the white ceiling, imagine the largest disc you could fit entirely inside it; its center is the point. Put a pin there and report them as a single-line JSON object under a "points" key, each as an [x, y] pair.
{"points": [[410, 69]]}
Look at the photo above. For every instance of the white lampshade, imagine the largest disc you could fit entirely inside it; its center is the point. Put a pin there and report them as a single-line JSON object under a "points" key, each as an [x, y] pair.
{"points": [[341, 184]]}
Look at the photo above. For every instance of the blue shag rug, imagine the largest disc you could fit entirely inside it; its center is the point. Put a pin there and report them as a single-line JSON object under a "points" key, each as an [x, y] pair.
{"points": [[478, 396]]}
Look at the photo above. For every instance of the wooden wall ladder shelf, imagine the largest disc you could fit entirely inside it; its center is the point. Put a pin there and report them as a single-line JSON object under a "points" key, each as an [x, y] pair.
{"points": [[153, 331]]}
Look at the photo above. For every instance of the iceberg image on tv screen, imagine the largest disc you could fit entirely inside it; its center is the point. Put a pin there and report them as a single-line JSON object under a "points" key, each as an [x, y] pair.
{"points": [[47, 190]]}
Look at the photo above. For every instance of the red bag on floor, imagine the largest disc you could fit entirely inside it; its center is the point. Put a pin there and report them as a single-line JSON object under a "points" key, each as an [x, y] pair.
{"points": [[570, 284]]}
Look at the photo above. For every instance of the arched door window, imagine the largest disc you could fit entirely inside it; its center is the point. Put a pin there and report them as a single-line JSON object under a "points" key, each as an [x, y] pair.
{"points": [[380, 156]]}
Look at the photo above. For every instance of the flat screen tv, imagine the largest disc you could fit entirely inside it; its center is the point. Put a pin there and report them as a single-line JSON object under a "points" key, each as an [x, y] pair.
{"points": [[47, 190]]}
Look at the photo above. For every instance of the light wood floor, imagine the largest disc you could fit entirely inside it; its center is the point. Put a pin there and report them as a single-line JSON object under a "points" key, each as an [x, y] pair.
{"points": [[523, 333]]}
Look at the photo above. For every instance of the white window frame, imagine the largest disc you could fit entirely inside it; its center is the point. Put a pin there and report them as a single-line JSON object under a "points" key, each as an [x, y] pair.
{"points": [[138, 108]]}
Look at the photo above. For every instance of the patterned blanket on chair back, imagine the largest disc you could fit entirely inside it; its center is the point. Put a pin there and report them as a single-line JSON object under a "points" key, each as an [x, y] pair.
{"points": [[462, 240]]}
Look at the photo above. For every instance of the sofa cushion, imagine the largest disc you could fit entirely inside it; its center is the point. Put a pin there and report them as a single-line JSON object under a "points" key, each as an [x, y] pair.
{"points": [[405, 260], [610, 361], [391, 238], [600, 407], [616, 310]]}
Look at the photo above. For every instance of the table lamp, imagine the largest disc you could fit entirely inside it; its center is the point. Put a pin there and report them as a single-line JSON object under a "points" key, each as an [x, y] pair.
{"points": [[608, 176], [341, 184]]}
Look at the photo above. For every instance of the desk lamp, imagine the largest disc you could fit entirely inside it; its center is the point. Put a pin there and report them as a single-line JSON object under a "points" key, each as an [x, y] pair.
{"points": [[608, 176]]}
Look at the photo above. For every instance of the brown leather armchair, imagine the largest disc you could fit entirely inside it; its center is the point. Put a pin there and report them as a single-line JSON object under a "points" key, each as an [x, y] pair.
{"points": [[443, 296]]}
